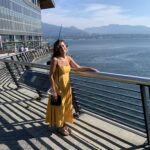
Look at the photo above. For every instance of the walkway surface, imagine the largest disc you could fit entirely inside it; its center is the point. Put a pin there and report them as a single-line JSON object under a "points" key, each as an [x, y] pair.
{"points": [[22, 127]]}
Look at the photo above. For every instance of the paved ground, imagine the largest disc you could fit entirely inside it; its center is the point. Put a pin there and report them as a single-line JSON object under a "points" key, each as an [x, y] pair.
{"points": [[22, 127]]}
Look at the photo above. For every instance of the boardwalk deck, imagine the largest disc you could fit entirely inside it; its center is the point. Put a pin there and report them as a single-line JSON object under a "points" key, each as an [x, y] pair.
{"points": [[22, 127]]}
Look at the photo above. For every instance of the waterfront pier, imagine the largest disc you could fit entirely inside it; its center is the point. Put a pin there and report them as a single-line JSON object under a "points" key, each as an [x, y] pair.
{"points": [[110, 118]]}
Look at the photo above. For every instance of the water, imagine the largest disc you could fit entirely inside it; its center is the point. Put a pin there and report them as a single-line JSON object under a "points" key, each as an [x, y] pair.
{"points": [[122, 55], [126, 55]]}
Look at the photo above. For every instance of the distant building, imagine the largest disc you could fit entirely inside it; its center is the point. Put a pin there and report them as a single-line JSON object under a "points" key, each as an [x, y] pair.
{"points": [[20, 23]]}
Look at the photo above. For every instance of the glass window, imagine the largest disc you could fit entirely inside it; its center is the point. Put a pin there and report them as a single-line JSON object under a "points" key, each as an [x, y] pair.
{"points": [[1, 2]]}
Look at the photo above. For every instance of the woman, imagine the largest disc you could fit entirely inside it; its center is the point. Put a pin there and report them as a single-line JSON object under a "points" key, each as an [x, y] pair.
{"points": [[60, 67]]}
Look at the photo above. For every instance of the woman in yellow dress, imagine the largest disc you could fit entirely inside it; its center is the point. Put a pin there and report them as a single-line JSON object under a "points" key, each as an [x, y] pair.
{"points": [[60, 67]]}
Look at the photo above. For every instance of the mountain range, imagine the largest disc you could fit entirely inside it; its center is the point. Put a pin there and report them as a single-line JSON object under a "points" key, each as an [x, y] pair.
{"points": [[119, 29], [52, 31]]}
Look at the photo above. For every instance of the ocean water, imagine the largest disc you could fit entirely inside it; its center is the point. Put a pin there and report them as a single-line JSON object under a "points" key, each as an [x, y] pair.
{"points": [[129, 56], [124, 55]]}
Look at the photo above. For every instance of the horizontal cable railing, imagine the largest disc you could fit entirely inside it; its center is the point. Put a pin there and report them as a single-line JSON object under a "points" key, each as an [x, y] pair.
{"points": [[116, 103], [121, 98], [117, 97]]}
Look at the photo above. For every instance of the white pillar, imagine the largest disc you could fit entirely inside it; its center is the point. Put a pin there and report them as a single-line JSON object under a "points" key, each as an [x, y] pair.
{"points": [[1, 43], [36, 2]]}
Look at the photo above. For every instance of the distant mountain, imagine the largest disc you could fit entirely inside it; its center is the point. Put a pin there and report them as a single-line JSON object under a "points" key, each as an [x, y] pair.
{"points": [[118, 29], [52, 31]]}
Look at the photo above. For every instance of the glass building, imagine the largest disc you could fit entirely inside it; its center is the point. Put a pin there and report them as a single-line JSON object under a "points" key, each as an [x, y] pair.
{"points": [[20, 23]]}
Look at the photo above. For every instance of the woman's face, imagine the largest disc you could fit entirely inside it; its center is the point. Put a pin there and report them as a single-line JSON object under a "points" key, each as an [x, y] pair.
{"points": [[62, 48]]}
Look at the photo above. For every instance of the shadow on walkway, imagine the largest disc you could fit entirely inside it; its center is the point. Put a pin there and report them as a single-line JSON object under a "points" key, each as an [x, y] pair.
{"points": [[22, 127]]}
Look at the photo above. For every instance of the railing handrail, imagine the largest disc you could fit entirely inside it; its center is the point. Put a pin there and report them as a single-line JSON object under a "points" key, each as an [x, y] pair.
{"points": [[31, 50], [102, 75], [116, 77]]}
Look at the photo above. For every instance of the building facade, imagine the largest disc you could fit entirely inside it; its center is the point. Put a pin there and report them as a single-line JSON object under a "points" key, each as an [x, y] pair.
{"points": [[20, 23]]}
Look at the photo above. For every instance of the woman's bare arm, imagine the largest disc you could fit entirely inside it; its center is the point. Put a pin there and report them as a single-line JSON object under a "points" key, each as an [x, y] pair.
{"points": [[77, 67], [53, 65]]}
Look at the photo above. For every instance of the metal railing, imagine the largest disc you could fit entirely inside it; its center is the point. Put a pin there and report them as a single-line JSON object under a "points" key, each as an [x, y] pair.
{"points": [[124, 101], [14, 70], [122, 98]]}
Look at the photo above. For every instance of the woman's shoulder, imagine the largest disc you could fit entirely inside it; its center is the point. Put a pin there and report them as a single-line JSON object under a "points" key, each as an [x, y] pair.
{"points": [[68, 57], [54, 59]]}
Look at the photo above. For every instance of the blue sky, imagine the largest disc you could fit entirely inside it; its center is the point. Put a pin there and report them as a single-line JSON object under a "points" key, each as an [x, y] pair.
{"points": [[94, 13]]}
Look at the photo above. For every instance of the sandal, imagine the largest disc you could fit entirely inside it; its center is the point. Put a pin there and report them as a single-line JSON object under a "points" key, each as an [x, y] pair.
{"points": [[63, 132], [68, 129]]}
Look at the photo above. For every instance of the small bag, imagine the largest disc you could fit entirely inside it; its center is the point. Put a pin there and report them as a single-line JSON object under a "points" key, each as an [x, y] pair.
{"points": [[56, 102]]}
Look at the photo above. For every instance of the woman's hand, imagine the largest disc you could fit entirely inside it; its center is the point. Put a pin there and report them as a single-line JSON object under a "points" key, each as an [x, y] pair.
{"points": [[95, 70], [54, 95], [89, 69]]}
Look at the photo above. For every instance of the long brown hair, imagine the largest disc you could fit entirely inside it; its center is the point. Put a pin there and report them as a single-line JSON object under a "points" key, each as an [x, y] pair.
{"points": [[56, 51]]}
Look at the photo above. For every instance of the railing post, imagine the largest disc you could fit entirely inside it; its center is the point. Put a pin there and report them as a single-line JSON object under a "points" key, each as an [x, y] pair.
{"points": [[145, 98], [32, 56], [36, 53], [16, 67], [24, 58], [18, 58], [27, 56], [75, 105], [40, 52], [44, 51], [12, 75]]}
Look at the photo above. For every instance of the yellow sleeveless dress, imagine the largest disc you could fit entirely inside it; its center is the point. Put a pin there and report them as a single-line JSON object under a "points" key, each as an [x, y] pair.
{"points": [[58, 115]]}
